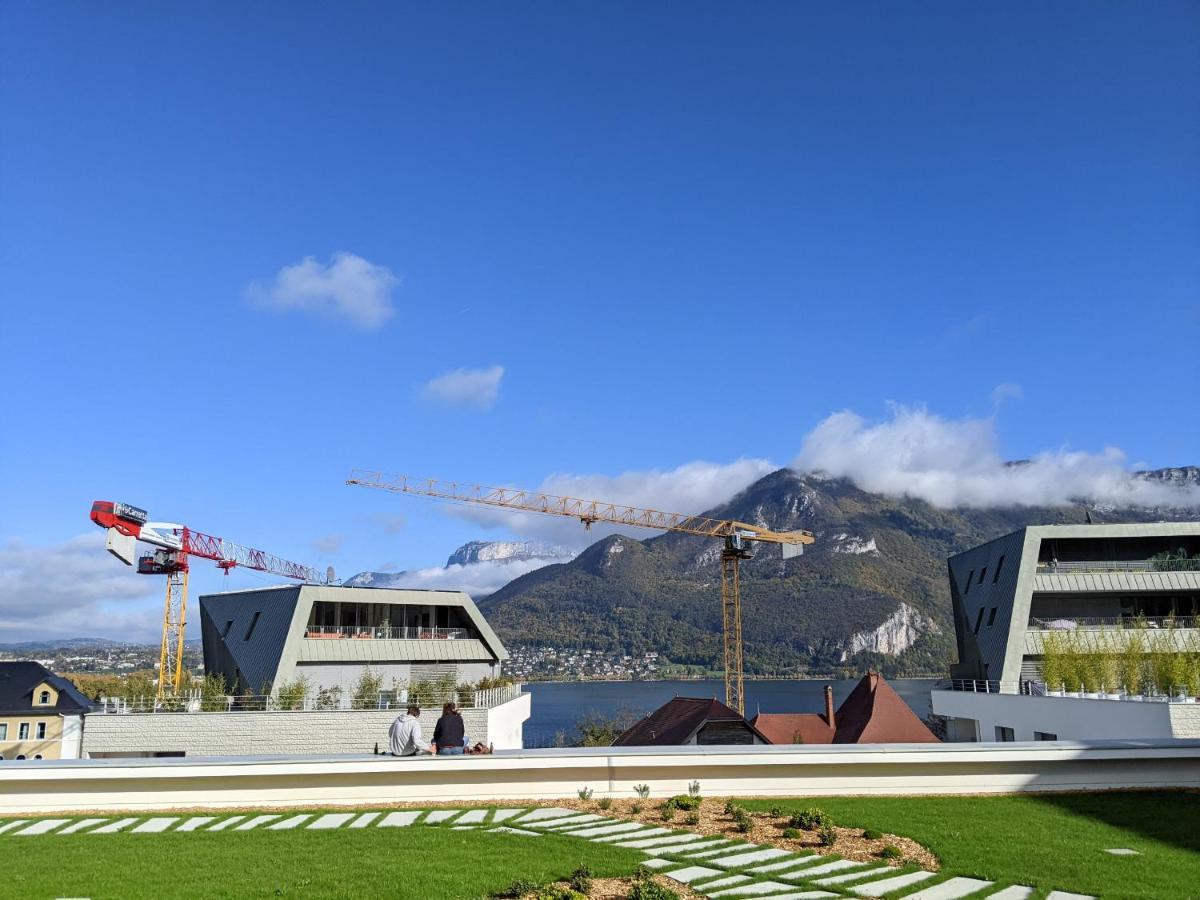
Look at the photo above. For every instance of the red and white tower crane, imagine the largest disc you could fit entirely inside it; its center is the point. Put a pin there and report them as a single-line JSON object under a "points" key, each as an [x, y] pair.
{"points": [[173, 544]]}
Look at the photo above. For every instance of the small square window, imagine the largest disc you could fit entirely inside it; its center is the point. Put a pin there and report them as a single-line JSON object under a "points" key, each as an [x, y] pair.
{"points": [[253, 625], [982, 574], [44, 698], [1004, 734], [978, 621], [41, 731], [970, 578], [1044, 736]]}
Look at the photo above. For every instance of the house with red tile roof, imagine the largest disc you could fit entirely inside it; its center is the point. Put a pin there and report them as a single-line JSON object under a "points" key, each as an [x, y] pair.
{"points": [[691, 720], [873, 714]]}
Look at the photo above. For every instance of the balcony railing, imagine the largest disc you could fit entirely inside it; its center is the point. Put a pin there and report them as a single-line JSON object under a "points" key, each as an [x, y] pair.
{"points": [[982, 686], [1107, 623], [385, 633], [1118, 565], [325, 700]]}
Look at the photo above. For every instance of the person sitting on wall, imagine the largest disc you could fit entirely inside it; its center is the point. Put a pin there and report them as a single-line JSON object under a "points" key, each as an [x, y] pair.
{"points": [[449, 734], [405, 734]]}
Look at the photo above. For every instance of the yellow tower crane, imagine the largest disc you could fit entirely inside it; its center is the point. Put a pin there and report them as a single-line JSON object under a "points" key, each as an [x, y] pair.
{"points": [[736, 537]]}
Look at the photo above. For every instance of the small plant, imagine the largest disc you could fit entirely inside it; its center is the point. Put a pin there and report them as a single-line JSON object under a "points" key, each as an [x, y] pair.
{"points": [[872, 835], [793, 834], [519, 888], [810, 819], [685, 801], [891, 851], [635, 809], [556, 892], [827, 835], [642, 790], [743, 825], [692, 818], [694, 789], [667, 811], [646, 888], [777, 811], [731, 808], [604, 802], [585, 794], [581, 880]]}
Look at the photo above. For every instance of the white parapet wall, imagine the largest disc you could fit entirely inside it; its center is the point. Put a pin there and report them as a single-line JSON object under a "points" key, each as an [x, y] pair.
{"points": [[766, 771], [1067, 718], [290, 732]]}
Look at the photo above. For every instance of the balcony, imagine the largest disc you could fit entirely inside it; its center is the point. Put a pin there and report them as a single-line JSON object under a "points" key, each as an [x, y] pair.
{"points": [[1056, 567], [386, 633], [1111, 623]]}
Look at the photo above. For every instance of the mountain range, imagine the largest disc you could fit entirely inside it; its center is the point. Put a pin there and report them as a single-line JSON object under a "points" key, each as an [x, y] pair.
{"points": [[521, 556], [871, 592]]}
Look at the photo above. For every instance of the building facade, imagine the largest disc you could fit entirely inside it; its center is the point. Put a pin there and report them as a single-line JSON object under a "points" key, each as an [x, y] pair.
{"points": [[1011, 595], [259, 640], [41, 714]]}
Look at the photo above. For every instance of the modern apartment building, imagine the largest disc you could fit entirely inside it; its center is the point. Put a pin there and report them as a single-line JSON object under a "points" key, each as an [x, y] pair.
{"points": [[1010, 593], [329, 635]]}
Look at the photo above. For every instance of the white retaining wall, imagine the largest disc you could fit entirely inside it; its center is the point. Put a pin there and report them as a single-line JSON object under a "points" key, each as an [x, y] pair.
{"points": [[292, 732], [768, 771]]}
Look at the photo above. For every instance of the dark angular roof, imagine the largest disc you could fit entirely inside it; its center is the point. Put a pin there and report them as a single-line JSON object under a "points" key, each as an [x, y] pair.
{"points": [[677, 720], [873, 714], [17, 681]]}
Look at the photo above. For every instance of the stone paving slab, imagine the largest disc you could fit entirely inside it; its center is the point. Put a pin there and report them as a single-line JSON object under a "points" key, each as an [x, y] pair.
{"points": [[1065, 895], [753, 890], [754, 856], [803, 895], [852, 876], [582, 819], [155, 825], [472, 817], [786, 864], [330, 820], [876, 888], [602, 830], [1122, 851], [440, 815], [659, 863], [727, 881], [951, 889], [258, 820], [195, 822], [1016, 892], [289, 824], [704, 853], [688, 874], [221, 826], [547, 812], [80, 825], [828, 868], [465, 827], [42, 826], [500, 815], [8, 826], [664, 840], [400, 819], [114, 827], [365, 819]]}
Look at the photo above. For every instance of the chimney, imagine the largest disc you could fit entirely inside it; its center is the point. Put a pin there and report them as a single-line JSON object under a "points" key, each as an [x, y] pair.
{"points": [[829, 705]]}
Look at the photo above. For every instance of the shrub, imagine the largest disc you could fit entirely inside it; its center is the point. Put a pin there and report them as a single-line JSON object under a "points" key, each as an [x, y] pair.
{"points": [[777, 811], [291, 694], [554, 892], [636, 808], [585, 794], [685, 801], [693, 818], [793, 833], [581, 880], [872, 835], [366, 689], [645, 888], [827, 834], [809, 819], [519, 888], [694, 789], [642, 790], [604, 802], [731, 808], [890, 852], [667, 811]]}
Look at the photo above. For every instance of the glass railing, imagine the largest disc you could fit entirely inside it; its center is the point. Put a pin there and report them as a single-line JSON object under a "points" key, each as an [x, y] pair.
{"points": [[1069, 623], [386, 633], [1058, 567]]}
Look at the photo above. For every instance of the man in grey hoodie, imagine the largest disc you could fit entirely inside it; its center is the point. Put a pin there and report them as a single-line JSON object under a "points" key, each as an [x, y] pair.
{"points": [[405, 734]]}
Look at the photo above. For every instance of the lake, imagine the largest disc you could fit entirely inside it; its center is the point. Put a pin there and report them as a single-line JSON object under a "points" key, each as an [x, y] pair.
{"points": [[557, 706]]}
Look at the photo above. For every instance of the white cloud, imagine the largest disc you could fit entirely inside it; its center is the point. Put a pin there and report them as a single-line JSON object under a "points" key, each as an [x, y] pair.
{"points": [[349, 287], [74, 589], [691, 488], [477, 579], [471, 388], [956, 462], [1004, 392]]}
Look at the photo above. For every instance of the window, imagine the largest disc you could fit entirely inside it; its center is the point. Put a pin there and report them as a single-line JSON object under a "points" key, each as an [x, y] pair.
{"points": [[1004, 734], [23, 731], [20, 756], [992, 616], [999, 566], [982, 574], [44, 698], [225, 630], [1044, 736], [37, 756], [3, 731], [970, 578], [253, 623], [978, 621], [41, 731]]}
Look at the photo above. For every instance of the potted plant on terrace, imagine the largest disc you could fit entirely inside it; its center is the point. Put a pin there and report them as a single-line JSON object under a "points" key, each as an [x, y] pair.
{"points": [[1052, 664], [1132, 663]]}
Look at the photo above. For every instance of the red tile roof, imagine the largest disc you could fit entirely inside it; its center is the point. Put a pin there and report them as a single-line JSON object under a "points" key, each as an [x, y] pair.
{"points": [[872, 714]]}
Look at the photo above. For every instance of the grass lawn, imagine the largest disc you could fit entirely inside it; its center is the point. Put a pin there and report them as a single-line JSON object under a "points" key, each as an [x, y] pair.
{"points": [[1050, 842], [414, 862]]}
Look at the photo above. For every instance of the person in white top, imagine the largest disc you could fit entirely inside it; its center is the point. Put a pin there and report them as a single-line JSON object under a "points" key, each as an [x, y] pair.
{"points": [[405, 734]]}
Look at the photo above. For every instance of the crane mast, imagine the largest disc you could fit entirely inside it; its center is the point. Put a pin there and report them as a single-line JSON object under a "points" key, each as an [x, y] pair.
{"points": [[733, 533], [173, 546]]}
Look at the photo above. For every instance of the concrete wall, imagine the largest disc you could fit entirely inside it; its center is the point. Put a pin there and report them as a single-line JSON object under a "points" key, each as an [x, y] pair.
{"points": [[1070, 718], [243, 733], [768, 771]]}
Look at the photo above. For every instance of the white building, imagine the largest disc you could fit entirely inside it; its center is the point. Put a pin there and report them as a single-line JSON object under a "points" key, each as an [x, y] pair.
{"points": [[1010, 593]]}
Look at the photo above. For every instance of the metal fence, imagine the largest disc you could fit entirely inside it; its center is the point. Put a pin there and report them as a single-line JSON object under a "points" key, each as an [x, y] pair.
{"points": [[1119, 565], [386, 633], [195, 702], [983, 686]]}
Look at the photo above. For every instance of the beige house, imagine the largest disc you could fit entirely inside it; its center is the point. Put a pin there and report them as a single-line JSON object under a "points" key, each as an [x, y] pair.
{"points": [[41, 714]]}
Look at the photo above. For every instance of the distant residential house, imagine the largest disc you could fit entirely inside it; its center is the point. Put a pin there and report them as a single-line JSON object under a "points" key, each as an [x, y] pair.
{"points": [[691, 720], [873, 714], [41, 714]]}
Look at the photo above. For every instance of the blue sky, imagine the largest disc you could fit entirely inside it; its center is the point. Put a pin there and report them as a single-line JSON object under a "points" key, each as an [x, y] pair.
{"points": [[649, 235]]}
